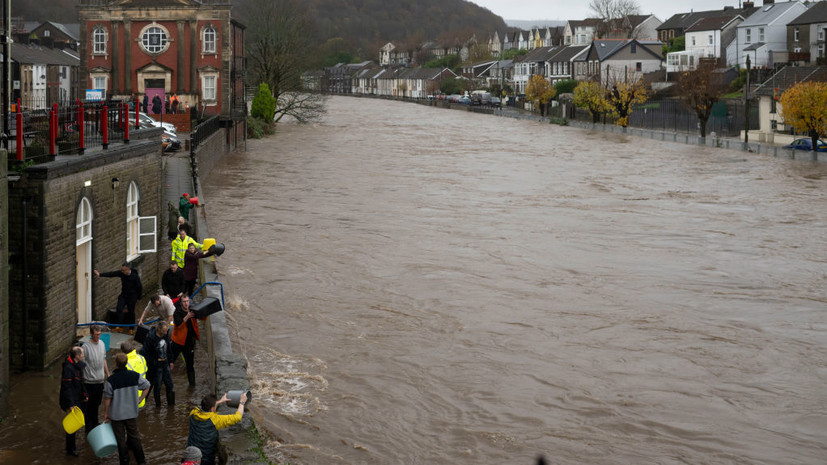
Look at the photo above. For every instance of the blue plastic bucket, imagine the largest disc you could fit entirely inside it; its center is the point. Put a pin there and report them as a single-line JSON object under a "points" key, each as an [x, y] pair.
{"points": [[105, 339], [102, 440]]}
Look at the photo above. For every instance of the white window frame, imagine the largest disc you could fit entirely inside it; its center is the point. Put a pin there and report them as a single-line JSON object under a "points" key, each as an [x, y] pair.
{"points": [[796, 34], [163, 33], [133, 197], [709, 39], [100, 39], [96, 80], [147, 228], [749, 36], [83, 222], [205, 78], [760, 34], [209, 45]]}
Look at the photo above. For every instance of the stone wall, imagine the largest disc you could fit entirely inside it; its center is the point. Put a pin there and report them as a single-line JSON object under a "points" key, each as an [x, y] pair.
{"points": [[43, 304], [210, 152]]}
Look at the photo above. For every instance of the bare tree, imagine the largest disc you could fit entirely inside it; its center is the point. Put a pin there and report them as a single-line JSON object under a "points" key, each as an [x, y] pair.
{"points": [[700, 89], [614, 15], [279, 38]]}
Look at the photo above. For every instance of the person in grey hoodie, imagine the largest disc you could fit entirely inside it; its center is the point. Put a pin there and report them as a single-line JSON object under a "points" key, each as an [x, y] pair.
{"points": [[121, 399]]}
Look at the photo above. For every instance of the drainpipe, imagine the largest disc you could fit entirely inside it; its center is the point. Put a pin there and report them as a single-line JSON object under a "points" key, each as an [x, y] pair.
{"points": [[24, 285]]}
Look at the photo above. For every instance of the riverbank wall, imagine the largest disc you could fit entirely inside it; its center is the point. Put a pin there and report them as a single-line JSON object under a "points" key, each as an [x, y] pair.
{"points": [[668, 136], [227, 365]]}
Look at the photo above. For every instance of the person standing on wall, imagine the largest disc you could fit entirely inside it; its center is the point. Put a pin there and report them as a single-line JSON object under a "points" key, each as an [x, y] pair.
{"points": [[94, 375], [185, 335], [121, 399], [180, 246], [131, 290], [72, 393]]}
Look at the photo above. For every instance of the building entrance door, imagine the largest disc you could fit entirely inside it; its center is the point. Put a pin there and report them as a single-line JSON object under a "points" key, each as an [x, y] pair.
{"points": [[83, 261], [155, 87]]}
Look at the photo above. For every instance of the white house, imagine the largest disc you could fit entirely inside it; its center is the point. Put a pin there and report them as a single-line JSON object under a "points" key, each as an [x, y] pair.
{"points": [[580, 32], [707, 38], [764, 33]]}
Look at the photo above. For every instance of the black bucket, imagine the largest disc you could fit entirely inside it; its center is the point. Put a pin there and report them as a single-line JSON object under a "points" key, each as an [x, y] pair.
{"points": [[141, 332], [217, 249]]}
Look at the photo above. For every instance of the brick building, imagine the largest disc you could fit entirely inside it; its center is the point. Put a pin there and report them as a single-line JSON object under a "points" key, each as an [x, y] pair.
{"points": [[192, 48], [66, 218]]}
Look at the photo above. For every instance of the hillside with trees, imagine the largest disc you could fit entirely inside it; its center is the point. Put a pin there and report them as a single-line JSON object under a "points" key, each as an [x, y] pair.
{"points": [[363, 25]]}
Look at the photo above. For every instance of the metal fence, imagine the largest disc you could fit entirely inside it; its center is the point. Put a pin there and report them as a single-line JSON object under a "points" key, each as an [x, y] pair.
{"points": [[38, 136], [728, 117], [204, 130]]}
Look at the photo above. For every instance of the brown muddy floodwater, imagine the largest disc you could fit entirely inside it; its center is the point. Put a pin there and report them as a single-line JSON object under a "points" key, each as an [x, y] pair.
{"points": [[414, 285]]}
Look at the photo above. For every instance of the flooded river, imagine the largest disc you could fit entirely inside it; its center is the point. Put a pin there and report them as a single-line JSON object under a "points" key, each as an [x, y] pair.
{"points": [[414, 285]]}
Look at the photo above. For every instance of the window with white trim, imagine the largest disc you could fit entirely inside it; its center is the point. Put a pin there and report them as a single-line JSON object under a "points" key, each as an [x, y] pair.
{"points": [[760, 34], [709, 39], [99, 41], [83, 222], [208, 40], [796, 34], [99, 82], [132, 198], [749, 36], [208, 87]]}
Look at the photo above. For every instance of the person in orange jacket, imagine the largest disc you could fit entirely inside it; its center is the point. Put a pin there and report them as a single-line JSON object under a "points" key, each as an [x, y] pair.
{"points": [[185, 336]]}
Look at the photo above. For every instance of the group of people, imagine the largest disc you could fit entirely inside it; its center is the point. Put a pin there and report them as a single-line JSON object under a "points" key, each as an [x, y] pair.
{"points": [[170, 104], [86, 382]]}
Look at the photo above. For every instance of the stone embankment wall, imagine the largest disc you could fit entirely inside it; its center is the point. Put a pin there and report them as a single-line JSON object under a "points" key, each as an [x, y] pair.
{"points": [[229, 366], [4, 291]]}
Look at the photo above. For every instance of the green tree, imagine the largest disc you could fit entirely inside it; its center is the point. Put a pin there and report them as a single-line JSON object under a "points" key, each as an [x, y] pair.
{"points": [[675, 44], [566, 86], [263, 106], [450, 86], [448, 61], [804, 107], [512, 53]]}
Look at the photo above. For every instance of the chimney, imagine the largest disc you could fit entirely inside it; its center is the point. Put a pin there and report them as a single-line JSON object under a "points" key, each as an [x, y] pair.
{"points": [[749, 4], [769, 2]]}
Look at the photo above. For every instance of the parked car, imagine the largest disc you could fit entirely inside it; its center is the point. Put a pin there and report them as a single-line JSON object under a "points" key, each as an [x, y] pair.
{"points": [[807, 144], [495, 101], [465, 100], [170, 142], [144, 118]]}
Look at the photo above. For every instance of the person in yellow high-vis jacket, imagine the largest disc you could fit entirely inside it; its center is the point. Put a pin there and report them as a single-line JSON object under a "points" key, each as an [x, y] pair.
{"points": [[180, 246], [135, 362]]}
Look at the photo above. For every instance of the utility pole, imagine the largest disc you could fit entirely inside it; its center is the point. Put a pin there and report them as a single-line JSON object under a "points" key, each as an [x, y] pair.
{"points": [[746, 108], [6, 72]]}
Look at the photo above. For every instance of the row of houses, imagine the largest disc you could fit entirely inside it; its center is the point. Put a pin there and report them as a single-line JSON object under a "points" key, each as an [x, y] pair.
{"points": [[770, 35], [44, 76], [602, 59]]}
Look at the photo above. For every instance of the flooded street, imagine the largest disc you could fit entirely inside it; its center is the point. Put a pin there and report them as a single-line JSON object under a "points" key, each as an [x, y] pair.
{"points": [[414, 285]]}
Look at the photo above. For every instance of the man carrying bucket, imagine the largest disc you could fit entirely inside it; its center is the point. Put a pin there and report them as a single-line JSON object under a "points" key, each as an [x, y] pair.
{"points": [[72, 393], [94, 375], [121, 400]]}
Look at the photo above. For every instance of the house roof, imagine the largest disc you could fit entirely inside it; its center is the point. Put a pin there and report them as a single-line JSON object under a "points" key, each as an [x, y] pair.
{"points": [[566, 53], [789, 75], [754, 46], [769, 13], [588, 22], [816, 14], [71, 30], [605, 48], [715, 23], [34, 55], [685, 20]]}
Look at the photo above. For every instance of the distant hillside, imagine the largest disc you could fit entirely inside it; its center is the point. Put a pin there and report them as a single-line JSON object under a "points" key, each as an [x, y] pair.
{"points": [[528, 24], [365, 25]]}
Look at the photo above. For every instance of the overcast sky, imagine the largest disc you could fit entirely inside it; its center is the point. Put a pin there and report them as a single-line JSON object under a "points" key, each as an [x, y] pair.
{"points": [[579, 9]]}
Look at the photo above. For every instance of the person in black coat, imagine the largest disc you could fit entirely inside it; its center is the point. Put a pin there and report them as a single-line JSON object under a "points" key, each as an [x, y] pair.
{"points": [[157, 349], [72, 392], [131, 290], [156, 105], [172, 282], [145, 103]]}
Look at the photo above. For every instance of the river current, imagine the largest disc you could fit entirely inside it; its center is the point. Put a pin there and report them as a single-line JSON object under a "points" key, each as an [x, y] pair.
{"points": [[415, 285]]}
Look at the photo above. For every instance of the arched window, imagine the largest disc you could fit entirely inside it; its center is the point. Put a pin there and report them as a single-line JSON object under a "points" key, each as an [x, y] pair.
{"points": [[83, 222], [155, 38], [208, 40], [132, 198], [99, 41], [141, 234]]}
